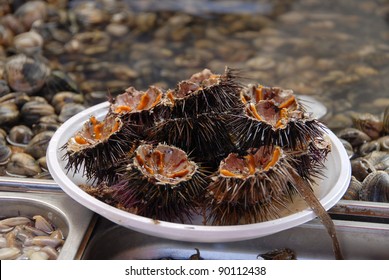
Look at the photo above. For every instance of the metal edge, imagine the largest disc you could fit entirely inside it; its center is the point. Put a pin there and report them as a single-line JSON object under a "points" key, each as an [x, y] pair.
{"points": [[364, 209], [13, 184]]}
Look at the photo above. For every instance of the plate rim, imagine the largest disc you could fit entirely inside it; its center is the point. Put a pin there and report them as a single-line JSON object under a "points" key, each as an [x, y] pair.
{"points": [[189, 232]]}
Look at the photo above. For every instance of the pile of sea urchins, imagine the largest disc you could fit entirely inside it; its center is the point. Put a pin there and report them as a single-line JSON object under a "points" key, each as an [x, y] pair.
{"points": [[232, 153]]}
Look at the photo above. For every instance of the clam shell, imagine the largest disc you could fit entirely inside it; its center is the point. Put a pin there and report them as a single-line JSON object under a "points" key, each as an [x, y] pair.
{"points": [[375, 187], [354, 136], [22, 164], [353, 191], [26, 74]]}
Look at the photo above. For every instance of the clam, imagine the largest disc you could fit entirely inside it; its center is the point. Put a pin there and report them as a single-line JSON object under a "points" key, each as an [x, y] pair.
{"points": [[64, 97], [17, 98], [47, 241], [45, 124], [26, 74], [38, 144], [30, 12], [13, 23], [43, 163], [3, 135], [375, 187], [369, 124], [58, 81], [90, 14], [40, 255], [69, 110], [20, 135], [354, 136], [9, 113], [29, 43], [15, 221], [353, 190], [22, 165], [368, 147], [33, 110], [51, 252], [9, 253], [378, 159], [42, 224], [361, 167]]}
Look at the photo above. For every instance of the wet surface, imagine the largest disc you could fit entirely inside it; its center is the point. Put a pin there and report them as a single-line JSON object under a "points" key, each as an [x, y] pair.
{"points": [[336, 52]]}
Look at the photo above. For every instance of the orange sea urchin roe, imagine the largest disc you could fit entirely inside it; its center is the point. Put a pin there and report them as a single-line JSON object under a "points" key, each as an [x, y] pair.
{"points": [[254, 112], [156, 100], [80, 140], [258, 93], [287, 102], [97, 127], [281, 123], [228, 173], [144, 101], [123, 109], [170, 96], [274, 159], [251, 164]]}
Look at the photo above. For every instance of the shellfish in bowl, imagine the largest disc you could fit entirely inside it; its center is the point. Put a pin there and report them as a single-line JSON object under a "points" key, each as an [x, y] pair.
{"points": [[280, 173]]}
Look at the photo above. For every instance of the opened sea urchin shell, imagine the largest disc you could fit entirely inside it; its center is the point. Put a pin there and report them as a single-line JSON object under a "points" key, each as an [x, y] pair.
{"points": [[196, 121], [98, 146], [139, 109], [273, 116], [160, 183], [205, 92], [251, 188]]}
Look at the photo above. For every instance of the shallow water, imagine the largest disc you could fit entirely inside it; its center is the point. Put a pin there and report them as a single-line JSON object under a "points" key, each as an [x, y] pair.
{"points": [[337, 51]]}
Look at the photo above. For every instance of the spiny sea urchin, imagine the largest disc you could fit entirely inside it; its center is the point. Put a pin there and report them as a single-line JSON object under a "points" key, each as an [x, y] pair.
{"points": [[251, 188], [160, 183], [273, 116], [205, 92], [205, 137], [196, 121], [139, 109], [98, 146]]}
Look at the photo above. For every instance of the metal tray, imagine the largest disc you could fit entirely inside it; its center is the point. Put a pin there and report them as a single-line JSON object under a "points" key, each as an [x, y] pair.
{"points": [[359, 240], [72, 218], [354, 210], [13, 184]]}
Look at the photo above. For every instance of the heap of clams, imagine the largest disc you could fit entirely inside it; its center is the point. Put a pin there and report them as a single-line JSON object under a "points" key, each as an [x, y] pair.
{"points": [[234, 154], [367, 143], [25, 238]]}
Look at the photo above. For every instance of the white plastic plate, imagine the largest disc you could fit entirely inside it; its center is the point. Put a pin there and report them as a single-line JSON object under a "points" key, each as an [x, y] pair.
{"points": [[329, 191]]}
